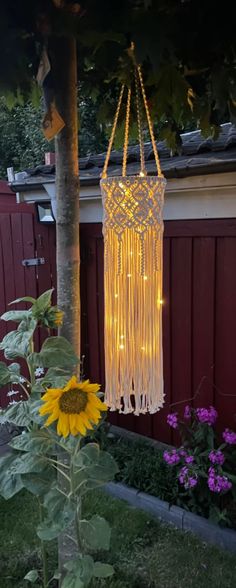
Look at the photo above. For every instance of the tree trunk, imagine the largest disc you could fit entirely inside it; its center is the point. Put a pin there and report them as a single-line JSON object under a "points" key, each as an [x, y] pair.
{"points": [[64, 68], [67, 188]]}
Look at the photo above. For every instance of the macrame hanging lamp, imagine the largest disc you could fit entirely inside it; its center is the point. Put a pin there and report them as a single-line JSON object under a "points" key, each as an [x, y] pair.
{"points": [[133, 236]]}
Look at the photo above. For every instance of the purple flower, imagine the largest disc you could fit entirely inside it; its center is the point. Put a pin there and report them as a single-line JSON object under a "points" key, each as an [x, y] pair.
{"points": [[229, 437], [207, 415], [171, 457], [187, 479], [216, 457], [172, 420], [189, 459], [217, 483], [187, 412], [182, 452]]}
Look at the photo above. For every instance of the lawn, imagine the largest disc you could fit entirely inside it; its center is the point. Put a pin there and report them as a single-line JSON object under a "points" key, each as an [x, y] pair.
{"points": [[145, 553]]}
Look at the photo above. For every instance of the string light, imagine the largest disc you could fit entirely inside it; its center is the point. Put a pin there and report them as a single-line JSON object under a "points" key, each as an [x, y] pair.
{"points": [[122, 346]]}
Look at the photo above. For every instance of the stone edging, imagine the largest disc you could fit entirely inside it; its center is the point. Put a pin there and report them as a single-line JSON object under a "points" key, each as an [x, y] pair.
{"points": [[180, 518]]}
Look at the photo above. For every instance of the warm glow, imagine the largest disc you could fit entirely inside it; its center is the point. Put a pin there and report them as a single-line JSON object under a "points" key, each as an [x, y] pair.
{"points": [[133, 236], [161, 301]]}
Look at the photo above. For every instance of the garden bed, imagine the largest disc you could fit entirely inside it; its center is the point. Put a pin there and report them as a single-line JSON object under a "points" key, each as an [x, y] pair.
{"points": [[142, 468]]}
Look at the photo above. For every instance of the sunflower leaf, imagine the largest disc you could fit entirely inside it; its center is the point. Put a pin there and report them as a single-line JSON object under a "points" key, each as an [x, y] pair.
{"points": [[10, 484], [102, 570], [95, 532], [37, 442], [37, 483], [99, 465], [42, 303], [18, 414], [81, 571], [60, 514], [15, 315], [55, 352], [32, 576]]}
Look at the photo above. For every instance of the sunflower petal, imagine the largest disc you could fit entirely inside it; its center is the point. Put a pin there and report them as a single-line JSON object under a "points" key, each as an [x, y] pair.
{"points": [[85, 420], [63, 425], [73, 383], [53, 417], [97, 403]]}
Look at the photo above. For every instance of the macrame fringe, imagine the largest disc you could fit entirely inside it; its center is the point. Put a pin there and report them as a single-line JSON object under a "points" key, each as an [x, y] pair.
{"points": [[133, 320]]}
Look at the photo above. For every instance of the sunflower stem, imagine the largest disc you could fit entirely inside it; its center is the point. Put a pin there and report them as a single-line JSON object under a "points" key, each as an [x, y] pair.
{"points": [[75, 498], [43, 551]]}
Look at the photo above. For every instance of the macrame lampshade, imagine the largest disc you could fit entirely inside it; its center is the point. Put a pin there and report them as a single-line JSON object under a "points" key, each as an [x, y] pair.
{"points": [[133, 234]]}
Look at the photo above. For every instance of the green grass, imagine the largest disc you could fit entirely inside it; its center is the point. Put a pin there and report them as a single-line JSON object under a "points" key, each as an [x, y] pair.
{"points": [[145, 553]]}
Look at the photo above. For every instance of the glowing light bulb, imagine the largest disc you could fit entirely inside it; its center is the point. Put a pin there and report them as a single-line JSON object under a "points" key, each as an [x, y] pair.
{"points": [[122, 337], [143, 348], [161, 301], [145, 277], [128, 275], [142, 174], [122, 346], [116, 295]]}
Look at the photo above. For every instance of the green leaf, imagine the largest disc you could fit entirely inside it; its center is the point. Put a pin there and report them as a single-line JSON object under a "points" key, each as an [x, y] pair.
{"points": [[32, 576], [96, 533], [80, 572], [49, 531], [16, 343], [38, 483], [70, 581], [102, 570], [26, 464], [60, 514], [18, 414], [58, 377], [100, 465], [4, 374], [42, 303], [15, 315], [55, 352], [10, 484], [38, 442], [9, 373], [24, 299]]}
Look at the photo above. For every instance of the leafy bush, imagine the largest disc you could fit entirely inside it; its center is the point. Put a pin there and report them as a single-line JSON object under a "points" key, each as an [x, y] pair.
{"points": [[142, 466]]}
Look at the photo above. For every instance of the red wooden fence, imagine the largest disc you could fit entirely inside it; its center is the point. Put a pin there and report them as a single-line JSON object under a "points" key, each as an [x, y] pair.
{"points": [[199, 311], [199, 319]]}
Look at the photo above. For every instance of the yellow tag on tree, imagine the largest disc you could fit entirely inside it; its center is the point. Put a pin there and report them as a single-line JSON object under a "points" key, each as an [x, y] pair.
{"points": [[52, 123]]}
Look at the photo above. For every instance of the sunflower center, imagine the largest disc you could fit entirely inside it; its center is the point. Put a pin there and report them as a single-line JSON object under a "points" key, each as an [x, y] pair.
{"points": [[73, 401]]}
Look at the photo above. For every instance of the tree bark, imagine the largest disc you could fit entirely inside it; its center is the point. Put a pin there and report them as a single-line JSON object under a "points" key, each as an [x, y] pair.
{"points": [[64, 69], [67, 188]]}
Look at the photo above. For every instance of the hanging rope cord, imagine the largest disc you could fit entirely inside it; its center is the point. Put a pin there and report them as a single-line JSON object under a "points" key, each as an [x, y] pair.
{"points": [[138, 84]]}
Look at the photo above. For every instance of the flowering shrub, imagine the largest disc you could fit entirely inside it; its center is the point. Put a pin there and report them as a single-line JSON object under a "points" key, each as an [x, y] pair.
{"points": [[205, 465]]}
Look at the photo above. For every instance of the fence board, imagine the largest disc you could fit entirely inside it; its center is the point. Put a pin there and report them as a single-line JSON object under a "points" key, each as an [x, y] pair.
{"points": [[225, 332], [181, 315], [203, 320]]}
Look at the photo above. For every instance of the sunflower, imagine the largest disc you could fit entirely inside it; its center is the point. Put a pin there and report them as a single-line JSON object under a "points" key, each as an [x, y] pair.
{"points": [[76, 407]]}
